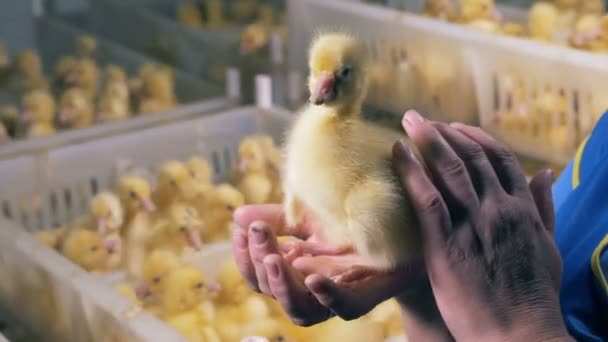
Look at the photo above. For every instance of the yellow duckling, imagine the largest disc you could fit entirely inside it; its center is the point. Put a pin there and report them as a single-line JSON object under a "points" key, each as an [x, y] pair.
{"points": [[5, 60], [189, 15], [85, 75], [155, 269], [388, 314], [274, 163], [185, 292], [86, 46], [172, 179], [158, 92], [28, 66], [549, 112], [589, 34], [76, 109], [480, 14], [135, 195], [39, 109], [179, 231], [442, 9], [543, 21], [254, 183], [115, 83], [63, 67], [199, 169], [567, 12], [111, 107], [243, 10], [594, 7], [234, 290], [86, 249], [218, 223], [215, 13]]}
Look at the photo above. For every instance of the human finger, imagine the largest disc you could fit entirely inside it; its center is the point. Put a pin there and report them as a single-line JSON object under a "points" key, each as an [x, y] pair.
{"points": [[505, 164], [428, 204], [472, 154], [240, 251], [446, 168], [273, 215], [295, 298], [262, 242]]}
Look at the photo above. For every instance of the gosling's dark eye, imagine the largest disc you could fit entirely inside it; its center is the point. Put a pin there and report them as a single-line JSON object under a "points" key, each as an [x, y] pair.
{"points": [[345, 71], [199, 285], [182, 228], [156, 280], [229, 207], [173, 182], [94, 248], [133, 194]]}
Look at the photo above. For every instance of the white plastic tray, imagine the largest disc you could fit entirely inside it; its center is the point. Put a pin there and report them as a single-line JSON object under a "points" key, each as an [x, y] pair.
{"points": [[56, 38], [39, 191]]}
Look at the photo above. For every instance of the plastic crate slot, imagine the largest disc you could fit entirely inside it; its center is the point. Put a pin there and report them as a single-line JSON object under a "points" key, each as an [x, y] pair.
{"points": [[215, 160], [495, 95], [227, 159], [67, 197], [6, 210], [94, 186]]}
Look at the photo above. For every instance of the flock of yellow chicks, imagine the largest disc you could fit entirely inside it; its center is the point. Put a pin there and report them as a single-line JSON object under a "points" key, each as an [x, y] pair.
{"points": [[263, 19], [580, 24], [186, 210], [77, 96]]}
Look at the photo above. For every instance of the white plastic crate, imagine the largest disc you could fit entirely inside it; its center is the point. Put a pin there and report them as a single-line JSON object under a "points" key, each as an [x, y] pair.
{"points": [[40, 191], [55, 38], [151, 27], [499, 64]]}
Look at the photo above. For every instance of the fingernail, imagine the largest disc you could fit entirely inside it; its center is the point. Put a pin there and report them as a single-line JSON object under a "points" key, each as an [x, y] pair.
{"points": [[550, 175], [320, 287], [273, 270], [240, 240], [412, 118], [402, 149], [259, 234]]}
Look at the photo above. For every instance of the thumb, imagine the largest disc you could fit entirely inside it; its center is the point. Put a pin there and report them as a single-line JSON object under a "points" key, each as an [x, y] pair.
{"points": [[540, 186]]}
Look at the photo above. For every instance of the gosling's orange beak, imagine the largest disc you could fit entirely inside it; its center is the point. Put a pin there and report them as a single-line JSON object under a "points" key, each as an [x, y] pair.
{"points": [[101, 226], [65, 115], [325, 90], [148, 204], [495, 14], [243, 165], [142, 290], [26, 116], [194, 238]]}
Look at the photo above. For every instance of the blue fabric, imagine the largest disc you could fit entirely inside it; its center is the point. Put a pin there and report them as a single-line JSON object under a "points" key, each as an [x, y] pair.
{"points": [[581, 223]]}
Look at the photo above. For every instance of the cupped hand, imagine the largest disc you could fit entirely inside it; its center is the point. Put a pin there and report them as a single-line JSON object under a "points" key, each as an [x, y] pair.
{"points": [[303, 287], [489, 251]]}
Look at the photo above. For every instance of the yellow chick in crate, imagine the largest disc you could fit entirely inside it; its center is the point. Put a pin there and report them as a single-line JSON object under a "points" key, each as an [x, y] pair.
{"points": [[480, 14], [589, 34], [179, 231], [442, 9], [255, 182], [86, 46], [388, 314], [543, 21], [39, 109], [218, 222], [86, 249], [200, 170], [29, 71], [172, 179], [62, 69], [156, 267], [189, 15], [157, 92], [345, 182], [215, 13], [234, 290], [113, 108], [243, 9], [84, 75], [184, 291], [76, 109], [135, 195]]}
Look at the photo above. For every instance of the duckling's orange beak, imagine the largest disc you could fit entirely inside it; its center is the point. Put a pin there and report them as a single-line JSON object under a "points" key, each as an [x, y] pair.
{"points": [[243, 165], [101, 226], [26, 116], [142, 290], [495, 14], [148, 204], [325, 91]]}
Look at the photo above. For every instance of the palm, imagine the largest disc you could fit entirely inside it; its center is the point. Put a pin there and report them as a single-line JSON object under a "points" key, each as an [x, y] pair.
{"points": [[307, 266]]}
